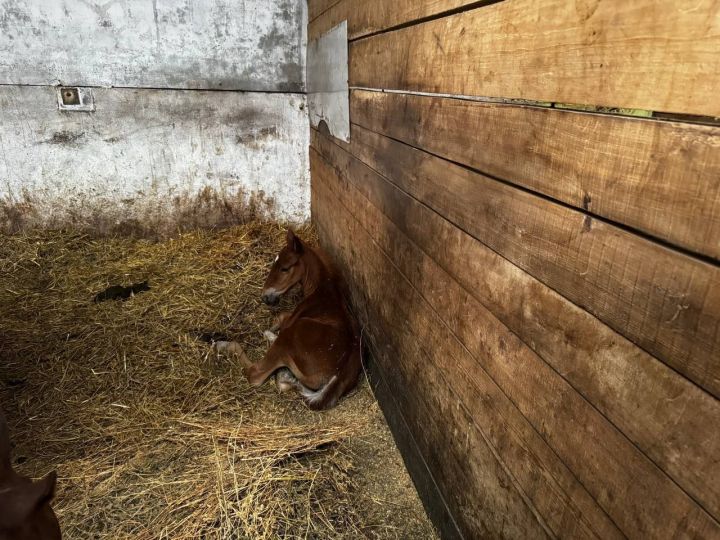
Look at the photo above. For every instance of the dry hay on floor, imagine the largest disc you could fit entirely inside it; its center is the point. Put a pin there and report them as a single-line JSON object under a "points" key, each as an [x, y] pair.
{"points": [[152, 435]]}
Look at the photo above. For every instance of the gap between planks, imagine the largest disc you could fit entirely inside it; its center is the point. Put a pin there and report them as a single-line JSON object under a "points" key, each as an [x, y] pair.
{"points": [[631, 442], [427, 18], [662, 243], [451, 390], [656, 116], [627, 228]]}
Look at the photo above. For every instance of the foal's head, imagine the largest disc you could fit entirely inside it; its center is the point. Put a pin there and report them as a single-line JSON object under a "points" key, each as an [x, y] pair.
{"points": [[25, 511], [287, 270]]}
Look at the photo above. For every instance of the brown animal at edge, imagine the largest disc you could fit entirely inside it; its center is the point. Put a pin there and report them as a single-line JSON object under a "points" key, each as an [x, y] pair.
{"points": [[25, 512], [317, 346]]}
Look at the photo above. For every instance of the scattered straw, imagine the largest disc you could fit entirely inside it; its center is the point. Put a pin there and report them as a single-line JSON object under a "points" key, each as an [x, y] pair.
{"points": [[152, 435]]}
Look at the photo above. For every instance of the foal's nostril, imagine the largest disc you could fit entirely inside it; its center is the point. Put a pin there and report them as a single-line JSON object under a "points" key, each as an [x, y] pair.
{"points": [[270, 299]]}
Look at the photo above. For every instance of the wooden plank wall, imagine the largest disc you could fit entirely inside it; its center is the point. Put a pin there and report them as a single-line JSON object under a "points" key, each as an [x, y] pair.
{"points": [[539, 287]]}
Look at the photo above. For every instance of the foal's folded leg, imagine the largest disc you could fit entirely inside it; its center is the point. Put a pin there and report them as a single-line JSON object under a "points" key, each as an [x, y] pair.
{"points": [[233, 348], [275, 358]]}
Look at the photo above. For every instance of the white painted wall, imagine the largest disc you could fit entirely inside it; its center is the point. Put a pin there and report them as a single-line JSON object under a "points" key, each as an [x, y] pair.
{"points": [[209, 44], [153, 158]]}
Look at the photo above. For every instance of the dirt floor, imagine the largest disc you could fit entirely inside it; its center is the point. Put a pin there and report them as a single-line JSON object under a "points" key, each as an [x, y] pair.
{"points": [[154, 436]]}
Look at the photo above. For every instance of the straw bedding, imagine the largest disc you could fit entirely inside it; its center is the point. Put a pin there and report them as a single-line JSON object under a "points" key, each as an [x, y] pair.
{"points": [[153, 435]]}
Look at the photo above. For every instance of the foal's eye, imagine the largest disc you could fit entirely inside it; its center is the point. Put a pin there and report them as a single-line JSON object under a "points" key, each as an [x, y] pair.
{"points": [[285, 269]]}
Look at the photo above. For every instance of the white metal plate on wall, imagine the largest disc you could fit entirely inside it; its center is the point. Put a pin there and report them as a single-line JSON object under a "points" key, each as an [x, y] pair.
{"points": [[327, 80], [75, 99]]}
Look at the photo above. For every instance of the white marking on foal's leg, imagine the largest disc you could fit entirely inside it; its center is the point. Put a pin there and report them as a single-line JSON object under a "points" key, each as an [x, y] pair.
{"points": [[285, 380], [232, 348], [225, 346]]}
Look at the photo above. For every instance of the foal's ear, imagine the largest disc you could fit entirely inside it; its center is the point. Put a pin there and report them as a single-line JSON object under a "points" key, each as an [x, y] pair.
{"points": [[20, 501], [293, 242]]}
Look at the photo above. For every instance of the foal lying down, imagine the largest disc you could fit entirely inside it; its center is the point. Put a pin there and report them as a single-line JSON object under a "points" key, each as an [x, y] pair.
{"points": [[317, 346]]}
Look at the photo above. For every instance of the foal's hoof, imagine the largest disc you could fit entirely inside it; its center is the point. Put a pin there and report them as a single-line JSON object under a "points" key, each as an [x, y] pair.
{"points": [[228, 347], [233, 348], [284, 380]]}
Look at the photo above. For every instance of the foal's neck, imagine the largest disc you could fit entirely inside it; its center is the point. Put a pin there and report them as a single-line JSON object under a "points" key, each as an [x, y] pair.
{"points": [[316, 273]]}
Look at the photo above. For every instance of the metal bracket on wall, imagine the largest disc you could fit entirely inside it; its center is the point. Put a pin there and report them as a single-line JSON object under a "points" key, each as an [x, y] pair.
{"points": [[73, 98], [327, 76]]}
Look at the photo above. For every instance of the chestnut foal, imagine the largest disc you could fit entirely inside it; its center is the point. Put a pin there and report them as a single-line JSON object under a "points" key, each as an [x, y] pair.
{"points": [[317, 346], [25, 512]]}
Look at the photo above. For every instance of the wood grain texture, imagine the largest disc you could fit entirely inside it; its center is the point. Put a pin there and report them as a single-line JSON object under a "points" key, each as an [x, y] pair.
{"points": [[417, 368], [662, 178], [635, 494], [467, 472], [659, 55], [425, 484], [368, 16], [608, 370], [664, 301], [562, 502], [660, 411], [318, 7]]}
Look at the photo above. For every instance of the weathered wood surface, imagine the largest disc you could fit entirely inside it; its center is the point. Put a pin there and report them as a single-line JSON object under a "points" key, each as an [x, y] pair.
{"points": [[432, 498], [659, 410], [659, 55], [662, 178], [481, 493], [423, 478], [664, 301], [318, 7], [627, 485], [551, 487], [467, 472], [368, 16]]}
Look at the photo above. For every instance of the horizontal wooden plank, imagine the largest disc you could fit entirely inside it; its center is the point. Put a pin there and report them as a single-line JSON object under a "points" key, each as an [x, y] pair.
{"points": [[318, 7], [423, 479], [659, 410], [662, 178], [564, 502], [471, 479], [664, 301], [425, 485], [551, 487], [630, 488], [368, 16], [553, 407], [658, 55]]}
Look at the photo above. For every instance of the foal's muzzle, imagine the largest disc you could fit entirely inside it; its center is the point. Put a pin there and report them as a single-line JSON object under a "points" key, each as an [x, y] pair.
{"points": [[271, 298]]}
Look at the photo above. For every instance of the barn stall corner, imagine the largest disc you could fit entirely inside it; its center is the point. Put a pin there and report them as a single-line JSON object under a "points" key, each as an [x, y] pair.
{"points": [[519, 200]]}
